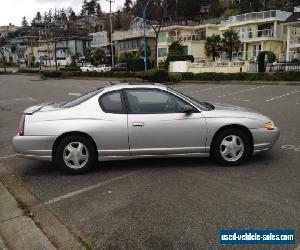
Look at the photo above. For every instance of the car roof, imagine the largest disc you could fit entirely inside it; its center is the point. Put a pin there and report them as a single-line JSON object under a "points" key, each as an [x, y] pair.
{"points": [[135, 86]]}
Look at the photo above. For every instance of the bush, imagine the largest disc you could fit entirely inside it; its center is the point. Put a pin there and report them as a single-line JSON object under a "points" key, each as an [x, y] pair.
{"points": [[175, 77], [53, 74], [154, 75], [70, 68], [30, 71], [187, 76]]}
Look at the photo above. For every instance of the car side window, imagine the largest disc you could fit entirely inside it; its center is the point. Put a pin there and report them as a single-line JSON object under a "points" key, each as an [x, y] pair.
{"points": [[112, 102], [145, 101]]}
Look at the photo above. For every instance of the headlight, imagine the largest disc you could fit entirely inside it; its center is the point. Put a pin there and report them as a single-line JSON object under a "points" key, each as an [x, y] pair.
{"points": [[270, 125]]}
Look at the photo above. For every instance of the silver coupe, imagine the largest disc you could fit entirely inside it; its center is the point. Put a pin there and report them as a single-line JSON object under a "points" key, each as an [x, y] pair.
{"points": [[128, 121]]}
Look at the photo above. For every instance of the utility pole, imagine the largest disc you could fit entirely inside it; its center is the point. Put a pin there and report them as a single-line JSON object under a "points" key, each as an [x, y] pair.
{"points": [[111, 41], [145, 39]]}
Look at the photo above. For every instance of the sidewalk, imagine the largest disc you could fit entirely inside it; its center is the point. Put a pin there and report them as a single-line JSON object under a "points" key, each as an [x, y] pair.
{"points": [[17, 230]]}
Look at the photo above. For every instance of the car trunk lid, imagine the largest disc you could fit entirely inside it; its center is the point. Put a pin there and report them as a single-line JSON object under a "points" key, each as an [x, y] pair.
{"points": [[43, 107]]}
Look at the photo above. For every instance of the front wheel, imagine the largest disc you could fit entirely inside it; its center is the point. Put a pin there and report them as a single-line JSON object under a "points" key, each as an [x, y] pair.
{"points": [[231, 147], [76, 154]]}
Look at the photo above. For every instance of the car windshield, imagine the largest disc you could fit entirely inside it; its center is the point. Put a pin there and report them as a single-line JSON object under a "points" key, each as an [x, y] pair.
{"points": [[81, 99], [202, 105]]}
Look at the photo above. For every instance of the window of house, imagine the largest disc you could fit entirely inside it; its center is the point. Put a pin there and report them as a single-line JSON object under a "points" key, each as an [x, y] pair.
{"points": [[162, 52]]}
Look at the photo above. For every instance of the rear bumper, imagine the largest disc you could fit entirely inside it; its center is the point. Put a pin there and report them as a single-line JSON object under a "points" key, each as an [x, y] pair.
{"points": [[34, 147], [264, 139]]}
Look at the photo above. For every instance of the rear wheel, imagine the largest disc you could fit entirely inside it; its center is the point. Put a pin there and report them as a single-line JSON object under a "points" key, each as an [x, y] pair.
{"points": [[75, 154], [231, 147]]}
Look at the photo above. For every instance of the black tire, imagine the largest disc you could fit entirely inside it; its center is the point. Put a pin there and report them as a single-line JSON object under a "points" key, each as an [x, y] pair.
{"points": [[89, 150], [216, 147]]}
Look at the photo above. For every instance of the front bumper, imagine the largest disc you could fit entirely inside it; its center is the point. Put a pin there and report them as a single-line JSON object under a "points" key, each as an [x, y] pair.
{"points": [[34, 147], [264, 139]]}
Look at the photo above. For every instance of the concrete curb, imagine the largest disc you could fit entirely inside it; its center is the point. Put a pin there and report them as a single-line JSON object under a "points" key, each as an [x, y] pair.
{"points": [[61, 236], [18, 230]]}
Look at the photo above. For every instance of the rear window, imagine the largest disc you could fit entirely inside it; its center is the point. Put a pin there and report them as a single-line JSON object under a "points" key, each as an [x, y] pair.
{"points": [[81, 99]]}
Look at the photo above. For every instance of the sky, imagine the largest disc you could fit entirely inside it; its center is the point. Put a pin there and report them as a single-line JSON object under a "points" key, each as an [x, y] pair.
{"points": [[12, 11]]}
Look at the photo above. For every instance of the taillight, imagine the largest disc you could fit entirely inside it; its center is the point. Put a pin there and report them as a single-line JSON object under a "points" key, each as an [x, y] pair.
{"points": [[22, 125]]}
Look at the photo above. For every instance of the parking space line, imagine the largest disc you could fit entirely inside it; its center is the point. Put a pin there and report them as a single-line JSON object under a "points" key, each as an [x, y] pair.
{"points": [[241, 91], [19, 99], [86, 189], [218, 87], [277, 97], [7, 156]]}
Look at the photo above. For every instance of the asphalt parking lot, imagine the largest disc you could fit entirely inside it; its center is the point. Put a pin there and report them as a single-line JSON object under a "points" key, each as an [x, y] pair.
{"points": [[164, 203]]}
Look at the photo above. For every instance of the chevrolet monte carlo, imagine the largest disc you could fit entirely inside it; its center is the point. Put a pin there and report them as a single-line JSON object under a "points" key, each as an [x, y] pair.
{"points": [[134, 121]]}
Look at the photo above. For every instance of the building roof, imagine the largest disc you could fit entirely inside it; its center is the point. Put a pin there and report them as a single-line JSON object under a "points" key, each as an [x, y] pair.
{"points": [[294, 18]]}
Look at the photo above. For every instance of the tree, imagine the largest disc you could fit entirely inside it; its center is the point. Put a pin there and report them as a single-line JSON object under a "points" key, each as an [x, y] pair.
{"points": [[38, 18], [72, 15], [246, 6], [98, 56], [188, 9], [156, 11], [230, 42], [98, 10], [95, 56], [214, 8], [118, 22], [141, 51], [127, 5], [213, 46], [24, 22], [176, 49], [2, 43], [90, 7], [63, 16], [50, 16]]}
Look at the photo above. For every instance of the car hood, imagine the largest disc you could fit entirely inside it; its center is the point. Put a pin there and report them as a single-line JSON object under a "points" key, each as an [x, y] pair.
{"points": [[231, 111], [221, 106]]}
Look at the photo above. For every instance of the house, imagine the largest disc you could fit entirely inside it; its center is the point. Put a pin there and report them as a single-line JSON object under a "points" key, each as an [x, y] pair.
{"points": [[192, 39], [8, 28], [131, 41], [65, 48], [292, 25], [101, 40], [258, 31]]}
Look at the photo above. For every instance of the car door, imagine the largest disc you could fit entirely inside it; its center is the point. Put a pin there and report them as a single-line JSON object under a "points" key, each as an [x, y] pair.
{"points": [[112, 135], [157, 124]]}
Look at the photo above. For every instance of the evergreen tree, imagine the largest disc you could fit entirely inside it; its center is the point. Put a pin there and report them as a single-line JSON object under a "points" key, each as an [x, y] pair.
{"points": [[72, 15], [63, 15], [98, 10], [38, 17], [118, 23], [50, 16], [24, 22], [127, 5]]}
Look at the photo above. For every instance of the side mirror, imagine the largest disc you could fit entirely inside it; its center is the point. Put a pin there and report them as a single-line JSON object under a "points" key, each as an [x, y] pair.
{"points": [[187, 109]]}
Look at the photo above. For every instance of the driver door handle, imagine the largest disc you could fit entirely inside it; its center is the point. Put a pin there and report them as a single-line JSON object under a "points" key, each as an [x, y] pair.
{"points": [[137, 124]]}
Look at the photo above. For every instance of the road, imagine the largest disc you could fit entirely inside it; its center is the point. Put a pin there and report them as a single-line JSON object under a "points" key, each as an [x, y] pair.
{"points": [[164, 203]]}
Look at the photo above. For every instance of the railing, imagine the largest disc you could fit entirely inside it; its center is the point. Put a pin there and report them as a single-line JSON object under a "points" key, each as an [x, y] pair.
{"points": [[186, 38], [257, 34], [216, 64], [272, 14], [282, 67], [117, 35], [244, 54], [295, 40]]}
